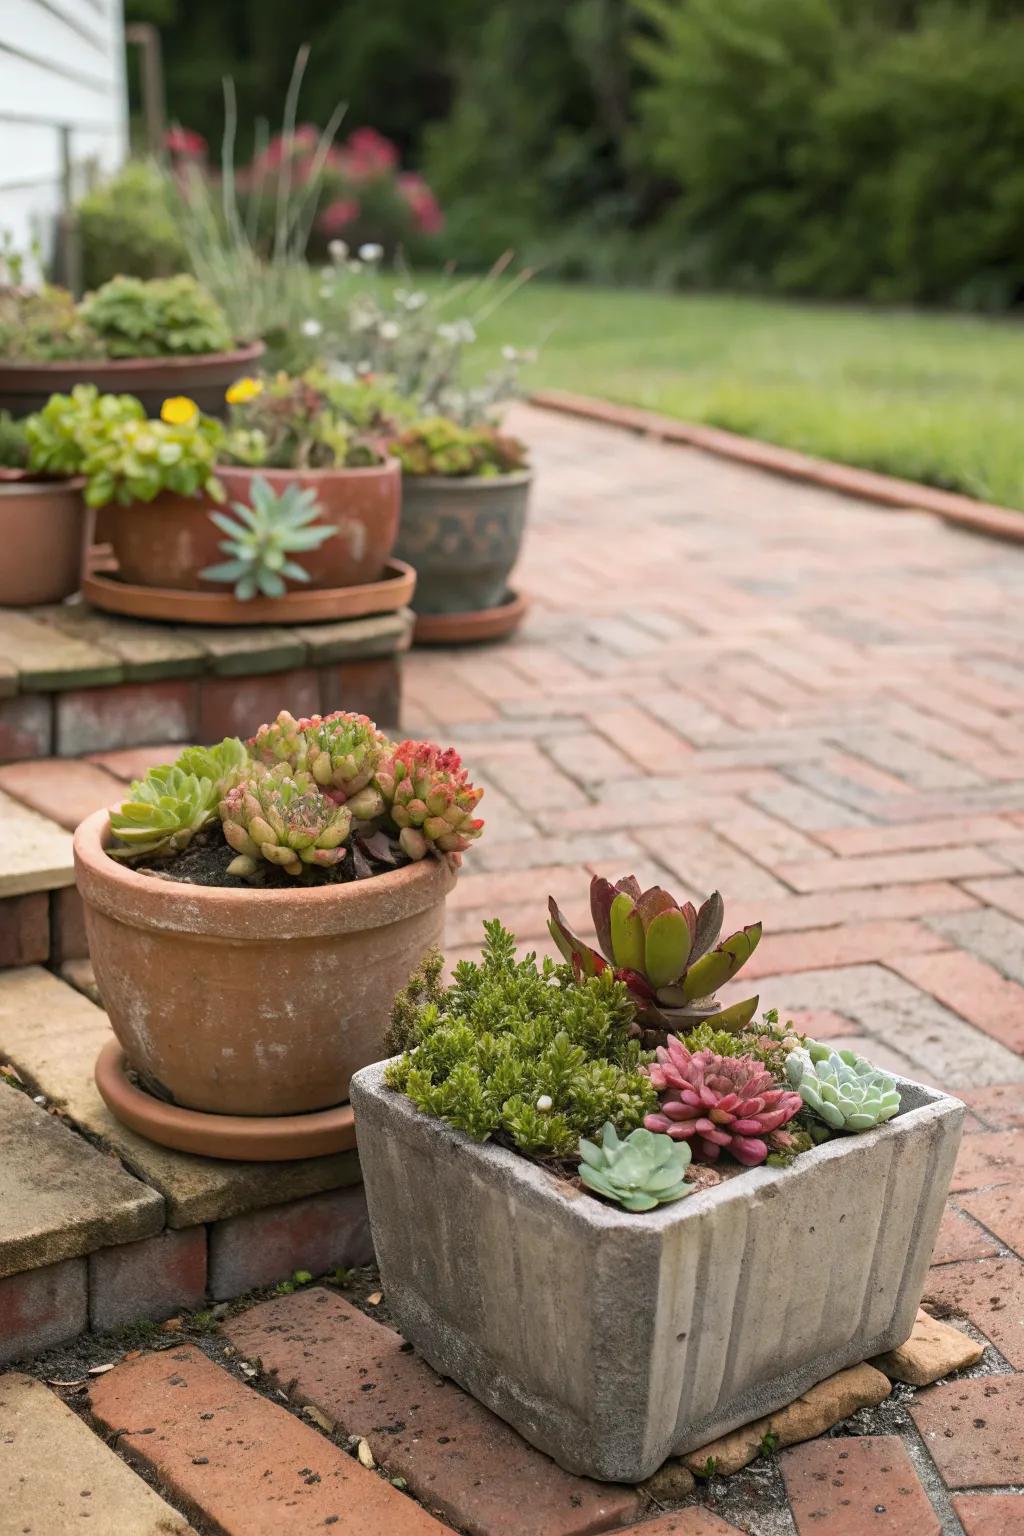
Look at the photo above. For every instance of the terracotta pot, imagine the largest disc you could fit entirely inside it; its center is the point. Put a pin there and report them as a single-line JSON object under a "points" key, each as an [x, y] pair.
{"points": [[253, 1002], [42, 535], [168, 541], [463, 536], [26, 387]]}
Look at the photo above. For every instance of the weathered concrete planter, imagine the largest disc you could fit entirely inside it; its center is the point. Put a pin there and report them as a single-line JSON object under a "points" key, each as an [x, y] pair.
{"points": [[463, 536], [612, 1341]]}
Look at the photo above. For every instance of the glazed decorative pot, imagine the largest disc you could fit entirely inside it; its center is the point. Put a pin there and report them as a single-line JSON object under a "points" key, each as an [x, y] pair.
{"points": [[26, 387], [42, 535], [253, 1002], [463, 536], [168, 541]]}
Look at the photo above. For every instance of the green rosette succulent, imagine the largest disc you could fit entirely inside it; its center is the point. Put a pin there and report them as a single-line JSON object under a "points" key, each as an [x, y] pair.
{"points": [[163, 813], [644, 1170], [841, 1088], [284, 820], [343, 752], [223, 764]]}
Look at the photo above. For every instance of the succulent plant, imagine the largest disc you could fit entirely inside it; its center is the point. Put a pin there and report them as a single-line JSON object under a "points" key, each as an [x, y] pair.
{"points": [[163, 813], [669, 956], [223, 764], [262, 538], [343, 752], [644, 1170], [842, 1089], [285, 820], [430, 800], [718, 1102], [282, 740]]}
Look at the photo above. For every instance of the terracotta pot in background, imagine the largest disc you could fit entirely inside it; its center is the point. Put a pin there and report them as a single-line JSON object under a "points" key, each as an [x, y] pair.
{"points": [[26, 387], [253, 1002], [463, 536], [168, 541], [42, 537]]}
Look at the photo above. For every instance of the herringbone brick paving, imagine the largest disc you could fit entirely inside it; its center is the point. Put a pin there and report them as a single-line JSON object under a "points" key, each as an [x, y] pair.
{"points": [[817, 706]]}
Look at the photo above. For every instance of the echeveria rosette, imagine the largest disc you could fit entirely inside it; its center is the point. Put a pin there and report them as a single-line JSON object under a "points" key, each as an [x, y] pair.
{"points": [[163, 813], [638, 1173], [284, 820], [668, 954], [430, 800], [846, 1092], [718, 1103]]}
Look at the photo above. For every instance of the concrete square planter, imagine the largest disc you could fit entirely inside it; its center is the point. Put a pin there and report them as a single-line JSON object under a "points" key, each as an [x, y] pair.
{"points": [[611, 1340]]}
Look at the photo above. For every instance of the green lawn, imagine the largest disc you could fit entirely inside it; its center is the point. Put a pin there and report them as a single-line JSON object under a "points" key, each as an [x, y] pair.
{"points": [[935, 398]]}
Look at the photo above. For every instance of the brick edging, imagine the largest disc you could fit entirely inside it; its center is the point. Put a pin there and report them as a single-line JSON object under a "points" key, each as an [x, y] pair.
{"points": [[901, 495]]}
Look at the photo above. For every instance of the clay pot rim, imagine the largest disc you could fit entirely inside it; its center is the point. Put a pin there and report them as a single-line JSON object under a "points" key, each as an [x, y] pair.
{"points": [[469, 482], [220, 913], [14, 480], [244, 352], [388, 466]]}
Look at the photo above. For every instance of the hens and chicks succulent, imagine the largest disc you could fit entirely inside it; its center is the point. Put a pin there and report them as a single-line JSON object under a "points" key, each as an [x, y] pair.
{"points": [[293, 796]]}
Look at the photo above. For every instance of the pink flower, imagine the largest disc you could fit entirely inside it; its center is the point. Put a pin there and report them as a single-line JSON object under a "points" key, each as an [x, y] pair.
{"points": [[302, 141], [185, 142], [338, 215], [368, 154], [423, 205]]}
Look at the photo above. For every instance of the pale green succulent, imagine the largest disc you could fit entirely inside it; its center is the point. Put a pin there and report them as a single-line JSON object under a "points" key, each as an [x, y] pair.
{"points": [[284, 820], [262, 538], [163, 813], [645, 1170], [223, 764], [842, 1089]]}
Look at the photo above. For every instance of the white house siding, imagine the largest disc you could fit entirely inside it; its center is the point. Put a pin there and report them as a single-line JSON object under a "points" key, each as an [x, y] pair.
{"points": [[61, 63]]}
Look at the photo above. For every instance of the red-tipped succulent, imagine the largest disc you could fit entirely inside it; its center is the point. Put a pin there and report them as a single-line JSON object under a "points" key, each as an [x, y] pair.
{"points": [[429, 798], [718, 1102], [669, 956]]}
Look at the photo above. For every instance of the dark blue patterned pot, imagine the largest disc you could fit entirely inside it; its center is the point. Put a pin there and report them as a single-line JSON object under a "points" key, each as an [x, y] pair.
{"points": [[463, 536]]}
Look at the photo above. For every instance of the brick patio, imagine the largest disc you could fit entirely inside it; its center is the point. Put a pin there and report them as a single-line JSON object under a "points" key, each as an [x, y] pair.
{"points": [[726, 679]]}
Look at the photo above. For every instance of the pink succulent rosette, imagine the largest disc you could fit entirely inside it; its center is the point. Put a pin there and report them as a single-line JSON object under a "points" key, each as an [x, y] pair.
{"points": [[717, 1102]]}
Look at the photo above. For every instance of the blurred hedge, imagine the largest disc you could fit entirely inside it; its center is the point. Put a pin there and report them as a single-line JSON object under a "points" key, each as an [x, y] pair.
{"points": [[841, 148]]}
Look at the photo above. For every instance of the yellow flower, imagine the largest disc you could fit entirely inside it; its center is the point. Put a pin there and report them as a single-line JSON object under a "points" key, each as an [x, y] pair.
{"points": [[244, 390], [179, 411]]}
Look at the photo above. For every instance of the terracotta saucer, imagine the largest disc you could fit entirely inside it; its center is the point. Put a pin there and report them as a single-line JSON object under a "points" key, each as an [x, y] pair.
{"points": [[237, 1138], [104, 589], [469, 628]]}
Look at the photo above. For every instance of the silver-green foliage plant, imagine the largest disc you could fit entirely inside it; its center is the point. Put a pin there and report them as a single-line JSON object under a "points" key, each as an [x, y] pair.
{"points": [[262, 538], [520, 1050], [841, 1088], [166, 809], [642, 1171]]}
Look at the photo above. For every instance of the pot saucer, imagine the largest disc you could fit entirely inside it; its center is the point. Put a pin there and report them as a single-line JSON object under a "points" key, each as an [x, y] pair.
{"points": [[103, 588], [236, 1138], [469, 628]]}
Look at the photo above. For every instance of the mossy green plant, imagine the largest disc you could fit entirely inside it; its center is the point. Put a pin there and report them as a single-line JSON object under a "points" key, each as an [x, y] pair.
{"points": [[520, 1050]]}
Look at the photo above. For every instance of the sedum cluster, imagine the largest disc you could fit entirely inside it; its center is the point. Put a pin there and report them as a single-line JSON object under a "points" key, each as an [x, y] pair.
{"points": [[293, 795], [521, 1051]]}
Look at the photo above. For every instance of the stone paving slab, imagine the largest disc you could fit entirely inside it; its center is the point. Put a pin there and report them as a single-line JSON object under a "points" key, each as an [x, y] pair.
{"points": [[60, 1197], [53, 1034], [35, 853], [56, 1476]]}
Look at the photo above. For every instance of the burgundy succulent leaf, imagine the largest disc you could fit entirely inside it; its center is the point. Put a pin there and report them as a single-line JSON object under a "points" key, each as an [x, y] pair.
{"points": [[717, 1102]]}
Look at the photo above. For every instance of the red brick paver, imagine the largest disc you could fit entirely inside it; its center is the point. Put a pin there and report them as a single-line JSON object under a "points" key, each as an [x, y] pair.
{"points": [[249, 1466], [852, 1486], [455, 1455], [990, 1514], [684, 1522], [974, 1430]]}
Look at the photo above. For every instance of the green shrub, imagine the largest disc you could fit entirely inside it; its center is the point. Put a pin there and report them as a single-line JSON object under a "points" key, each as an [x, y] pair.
{"points": [[826, 148], [127, 227], [162, 317], [521, 1050]]}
